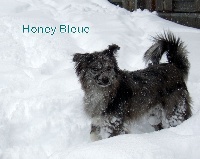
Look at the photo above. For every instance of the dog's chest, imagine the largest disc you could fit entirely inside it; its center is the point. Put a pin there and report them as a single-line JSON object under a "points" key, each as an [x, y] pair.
{"points": [[96, 102]]}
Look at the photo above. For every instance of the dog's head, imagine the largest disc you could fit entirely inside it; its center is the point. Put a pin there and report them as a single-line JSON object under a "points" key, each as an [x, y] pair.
{"points": [[100, 68]]}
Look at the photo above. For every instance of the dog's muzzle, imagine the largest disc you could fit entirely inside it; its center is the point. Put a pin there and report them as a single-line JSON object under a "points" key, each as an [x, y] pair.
{"points": [[104, 82]]}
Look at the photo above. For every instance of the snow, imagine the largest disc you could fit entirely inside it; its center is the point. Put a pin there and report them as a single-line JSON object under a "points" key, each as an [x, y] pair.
{"points": [[41, 105]]}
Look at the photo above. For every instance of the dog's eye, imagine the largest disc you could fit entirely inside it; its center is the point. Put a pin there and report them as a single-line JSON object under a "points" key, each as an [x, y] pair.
{"points": [[95, 69], [109, 68]]}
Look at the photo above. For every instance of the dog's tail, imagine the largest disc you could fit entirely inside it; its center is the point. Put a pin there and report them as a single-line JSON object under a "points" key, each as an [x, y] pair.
{"points": [[175, 51]]}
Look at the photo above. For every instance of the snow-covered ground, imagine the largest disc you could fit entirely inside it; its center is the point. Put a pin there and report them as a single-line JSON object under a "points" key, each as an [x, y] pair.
{"points": [[41, 107]]}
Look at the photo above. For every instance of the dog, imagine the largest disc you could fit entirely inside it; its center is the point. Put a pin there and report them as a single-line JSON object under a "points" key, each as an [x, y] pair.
{"points": [[114, 97]]}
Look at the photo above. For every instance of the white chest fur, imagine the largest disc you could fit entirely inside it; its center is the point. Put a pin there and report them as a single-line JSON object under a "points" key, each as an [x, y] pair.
{"points": [[96, 102]]}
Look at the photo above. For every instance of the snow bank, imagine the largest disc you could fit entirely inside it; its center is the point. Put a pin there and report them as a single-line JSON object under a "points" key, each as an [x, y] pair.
{"points": [[41, 107], [174, 143]]}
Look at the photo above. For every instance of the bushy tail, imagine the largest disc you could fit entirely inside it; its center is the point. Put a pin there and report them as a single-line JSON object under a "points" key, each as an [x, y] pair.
{"points": [[175, 51]]}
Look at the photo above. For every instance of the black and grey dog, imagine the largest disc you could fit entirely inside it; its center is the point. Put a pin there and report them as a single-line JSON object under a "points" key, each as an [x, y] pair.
{"points": [[113, 97]]}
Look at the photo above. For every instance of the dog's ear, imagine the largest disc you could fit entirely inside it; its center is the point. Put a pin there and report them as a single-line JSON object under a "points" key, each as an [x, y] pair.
{"points": [[80, 57], [81, 62], [112, 50]]}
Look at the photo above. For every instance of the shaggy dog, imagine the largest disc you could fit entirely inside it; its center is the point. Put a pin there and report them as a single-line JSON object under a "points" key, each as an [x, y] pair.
{"points": [[113, 97]]}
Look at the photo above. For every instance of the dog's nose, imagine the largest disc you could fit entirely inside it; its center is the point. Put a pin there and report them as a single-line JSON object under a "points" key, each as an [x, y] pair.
{"points": [[105, 80]]}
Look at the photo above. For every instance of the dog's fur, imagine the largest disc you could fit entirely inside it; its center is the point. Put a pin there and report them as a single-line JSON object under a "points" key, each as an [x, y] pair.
{"points": [[114, 97]]}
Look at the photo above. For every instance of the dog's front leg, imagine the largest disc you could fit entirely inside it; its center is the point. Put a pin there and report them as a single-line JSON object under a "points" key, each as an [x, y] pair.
{"points": [[106, 127], [113, 126], [96, 124]]}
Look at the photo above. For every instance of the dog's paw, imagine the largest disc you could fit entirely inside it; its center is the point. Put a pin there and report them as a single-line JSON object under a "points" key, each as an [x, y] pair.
{"points": [[94, 136]]}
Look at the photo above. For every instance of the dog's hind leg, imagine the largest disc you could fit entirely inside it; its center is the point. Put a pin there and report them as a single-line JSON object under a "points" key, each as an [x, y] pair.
{"points": [[174, 110], [179, 115], [177, 109]]}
